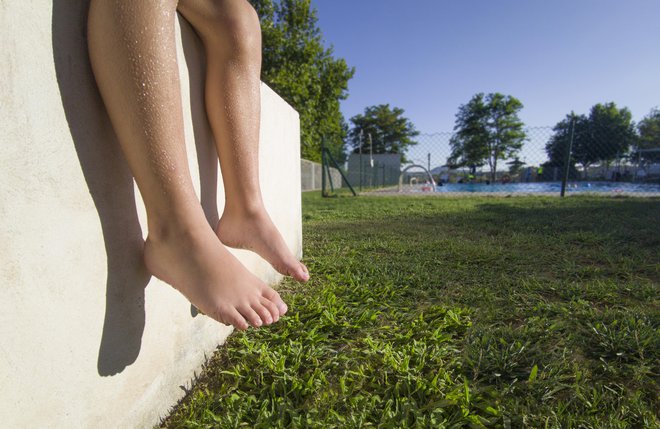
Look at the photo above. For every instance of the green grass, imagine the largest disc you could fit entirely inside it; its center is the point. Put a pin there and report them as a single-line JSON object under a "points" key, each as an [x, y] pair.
{"points": [[438, 312]]}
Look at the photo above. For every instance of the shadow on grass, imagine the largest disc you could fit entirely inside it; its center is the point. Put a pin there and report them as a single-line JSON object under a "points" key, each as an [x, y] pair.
{"points": [[506, 260], [596, 232]]}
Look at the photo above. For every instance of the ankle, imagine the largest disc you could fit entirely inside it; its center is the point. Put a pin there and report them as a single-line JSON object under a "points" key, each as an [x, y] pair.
{"points": [[252, 210], [165, 229]]}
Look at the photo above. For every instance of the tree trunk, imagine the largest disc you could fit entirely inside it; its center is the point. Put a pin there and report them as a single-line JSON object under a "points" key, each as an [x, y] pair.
{"points": [[493, 168]]}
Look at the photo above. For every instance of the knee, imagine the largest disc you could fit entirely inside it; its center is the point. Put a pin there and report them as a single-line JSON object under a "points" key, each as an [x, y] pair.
{"points": [[235, 28]]}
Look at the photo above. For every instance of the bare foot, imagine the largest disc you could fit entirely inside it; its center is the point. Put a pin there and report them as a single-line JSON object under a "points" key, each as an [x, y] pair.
{"points": [[256, 232], [199, 266]]}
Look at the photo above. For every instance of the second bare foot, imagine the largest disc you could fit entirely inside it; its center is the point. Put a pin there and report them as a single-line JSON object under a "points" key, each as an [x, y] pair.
{"points": [[258, 233]]}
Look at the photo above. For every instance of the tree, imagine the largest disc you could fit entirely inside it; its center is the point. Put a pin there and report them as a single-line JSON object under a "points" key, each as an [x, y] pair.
{"points": [[304, 72], [487, 129], [649, 137], [606, 134], [557, 146], [390, 131], [611, 133]]}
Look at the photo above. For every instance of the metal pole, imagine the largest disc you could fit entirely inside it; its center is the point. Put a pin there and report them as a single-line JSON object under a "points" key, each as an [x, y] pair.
{"points": [[428, 163], [371, 151], [371, 161], [567, 160], [323, 165], [360, 160], [332, 186], [341, 173]]}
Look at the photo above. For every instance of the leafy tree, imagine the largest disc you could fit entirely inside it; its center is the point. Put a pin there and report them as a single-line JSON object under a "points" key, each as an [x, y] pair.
{"points": [[611, 133], [306, 74], [390, 131], [470, 143], [487, 129], [649, 136], [558, 144], [606, 134]]}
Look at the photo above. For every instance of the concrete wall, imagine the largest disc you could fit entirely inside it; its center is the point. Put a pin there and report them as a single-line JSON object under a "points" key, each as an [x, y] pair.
{"points": [[87, 338], [311, 178]]}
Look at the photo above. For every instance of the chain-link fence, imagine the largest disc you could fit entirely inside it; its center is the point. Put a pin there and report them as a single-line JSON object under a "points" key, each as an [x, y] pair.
{"points": [[570, 158], [366, 171]]}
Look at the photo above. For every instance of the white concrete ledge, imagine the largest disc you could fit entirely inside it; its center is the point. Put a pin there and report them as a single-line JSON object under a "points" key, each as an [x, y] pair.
{"points": [[87, 337]]}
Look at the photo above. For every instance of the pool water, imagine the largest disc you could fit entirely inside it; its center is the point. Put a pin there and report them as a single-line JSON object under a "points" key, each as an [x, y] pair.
{"points": [[551, 187]]}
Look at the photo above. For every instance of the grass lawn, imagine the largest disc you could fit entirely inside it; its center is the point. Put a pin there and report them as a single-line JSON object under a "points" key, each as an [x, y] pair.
{"points": [[439, 312]]}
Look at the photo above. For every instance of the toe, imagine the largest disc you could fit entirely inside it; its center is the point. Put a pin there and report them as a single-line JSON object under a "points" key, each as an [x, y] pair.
{"points": [[282, 307], [251, 316], [272, 308], [293, 268], [263, 312], [299, 271], [234, 318], [303, 272], [274, 297]]}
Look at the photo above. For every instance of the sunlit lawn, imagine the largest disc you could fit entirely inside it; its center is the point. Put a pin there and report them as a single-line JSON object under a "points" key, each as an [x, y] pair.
{"points": [[437, 312]]}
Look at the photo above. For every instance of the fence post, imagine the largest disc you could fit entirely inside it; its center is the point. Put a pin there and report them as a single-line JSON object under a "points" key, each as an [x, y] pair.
{"points": [[332, 186], [323, 165], [568, 158], [360, 160], [326, 159]]}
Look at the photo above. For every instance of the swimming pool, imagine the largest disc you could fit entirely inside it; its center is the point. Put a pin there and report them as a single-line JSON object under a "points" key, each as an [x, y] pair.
{"points": [[551, 187]]}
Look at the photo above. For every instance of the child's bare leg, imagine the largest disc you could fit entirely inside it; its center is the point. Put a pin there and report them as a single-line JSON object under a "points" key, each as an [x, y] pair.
{"points": [[231, 35], [132, 49]]}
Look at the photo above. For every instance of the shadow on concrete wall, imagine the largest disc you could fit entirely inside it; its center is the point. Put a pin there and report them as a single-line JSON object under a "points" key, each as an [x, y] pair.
{"points": [[110, 181], [110, 184]]}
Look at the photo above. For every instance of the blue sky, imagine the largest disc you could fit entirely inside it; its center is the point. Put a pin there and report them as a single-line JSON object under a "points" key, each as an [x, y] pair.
{"points": [[430, 56]]}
